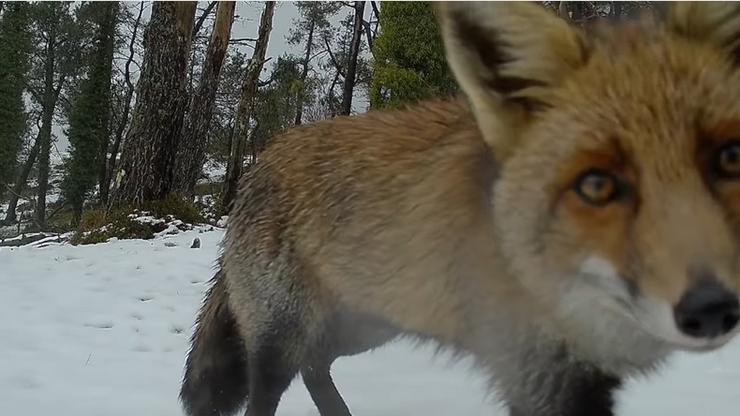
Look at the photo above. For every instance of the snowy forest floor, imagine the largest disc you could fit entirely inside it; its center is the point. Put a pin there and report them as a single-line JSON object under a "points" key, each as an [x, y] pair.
{"points": [[103, 330]]}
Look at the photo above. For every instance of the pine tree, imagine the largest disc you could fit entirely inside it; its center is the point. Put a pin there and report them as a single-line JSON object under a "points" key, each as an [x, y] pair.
{"points": [[310, 30], [410, 61], [89, 118], [15, 46], [61, 46]]}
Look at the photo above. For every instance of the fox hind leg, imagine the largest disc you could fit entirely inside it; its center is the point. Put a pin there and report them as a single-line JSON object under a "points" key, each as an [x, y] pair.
{"points": [[270, 374], [323, 391]]}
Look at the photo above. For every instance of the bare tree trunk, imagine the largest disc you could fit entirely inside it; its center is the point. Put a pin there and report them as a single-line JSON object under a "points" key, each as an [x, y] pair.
{"points": [[349, 79], [246, 102], [21, 182], [147, 162], [47, 117], [109, 165], [191, 153], [304, 74], [108, 36]]}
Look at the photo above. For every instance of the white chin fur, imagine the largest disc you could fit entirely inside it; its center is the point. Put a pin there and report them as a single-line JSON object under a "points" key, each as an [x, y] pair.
{"points": [[652, 315]]}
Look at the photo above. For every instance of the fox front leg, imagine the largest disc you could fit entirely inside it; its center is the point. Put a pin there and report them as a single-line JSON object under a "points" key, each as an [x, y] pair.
{"points": [[559, 389]]}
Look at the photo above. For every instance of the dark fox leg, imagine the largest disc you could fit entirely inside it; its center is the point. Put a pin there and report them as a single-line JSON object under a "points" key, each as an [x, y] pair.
{"points": [[318, 381], [270, 374], [559, 386], [345, 334], [215, 381]]}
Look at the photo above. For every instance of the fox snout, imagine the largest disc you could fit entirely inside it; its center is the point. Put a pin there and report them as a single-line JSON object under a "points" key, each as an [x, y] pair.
{"points": [[707, 310]]}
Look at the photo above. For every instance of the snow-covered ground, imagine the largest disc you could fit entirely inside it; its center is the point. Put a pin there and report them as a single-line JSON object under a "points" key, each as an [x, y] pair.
{"points": [[103, 331]]}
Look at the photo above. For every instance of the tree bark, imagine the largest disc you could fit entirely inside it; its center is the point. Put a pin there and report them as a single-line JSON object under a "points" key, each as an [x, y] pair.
{"points": [[147, 163], [349, 78], [304, 74], [191, 153], [109, 165], [108, 38], [20, 183], [246, 103]]}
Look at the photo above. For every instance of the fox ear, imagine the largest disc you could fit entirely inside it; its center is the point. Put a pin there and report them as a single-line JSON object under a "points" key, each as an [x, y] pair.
{"points": [[506, 56], [712, 21]]}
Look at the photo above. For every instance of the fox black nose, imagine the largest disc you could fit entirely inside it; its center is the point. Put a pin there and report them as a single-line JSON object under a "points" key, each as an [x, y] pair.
{"points": [[707, 310]]}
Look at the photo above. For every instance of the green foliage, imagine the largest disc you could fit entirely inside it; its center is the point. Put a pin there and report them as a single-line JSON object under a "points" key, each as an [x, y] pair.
{"points": [[89, 115], [100, 225], [175, 206], [15, 47], [410, 61], [276, 103], [274, 108], [313, 19]]}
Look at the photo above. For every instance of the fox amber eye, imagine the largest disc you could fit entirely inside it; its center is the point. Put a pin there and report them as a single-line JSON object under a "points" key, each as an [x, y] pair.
{"points": [[727, 161], [597, 187]]}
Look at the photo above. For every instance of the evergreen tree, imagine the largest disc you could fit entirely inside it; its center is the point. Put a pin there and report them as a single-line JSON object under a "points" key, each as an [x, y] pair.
{"points": [[310, 30], [15, 46], [61, 45], [89, 116], [410, 61]]}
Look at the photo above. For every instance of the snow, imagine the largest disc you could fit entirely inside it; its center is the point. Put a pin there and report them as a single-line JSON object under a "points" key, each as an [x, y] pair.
{"points": [[104, 330]]}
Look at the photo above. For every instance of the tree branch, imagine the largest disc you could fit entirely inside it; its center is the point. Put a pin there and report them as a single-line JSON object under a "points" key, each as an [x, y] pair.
{"points": [[237, 40], [202, 18], [369, 35], [376, 12], [333, 58]]}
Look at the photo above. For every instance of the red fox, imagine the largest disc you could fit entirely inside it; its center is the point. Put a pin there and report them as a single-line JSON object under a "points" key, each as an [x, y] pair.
{"points": [[569, 222]]}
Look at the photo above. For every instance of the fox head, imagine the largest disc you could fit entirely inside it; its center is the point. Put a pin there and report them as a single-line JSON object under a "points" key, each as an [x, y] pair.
{"points": [[619, 154]]}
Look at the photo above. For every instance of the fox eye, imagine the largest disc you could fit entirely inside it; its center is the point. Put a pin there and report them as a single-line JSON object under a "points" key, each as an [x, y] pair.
{"points": [[727, 161], [597, 187]]}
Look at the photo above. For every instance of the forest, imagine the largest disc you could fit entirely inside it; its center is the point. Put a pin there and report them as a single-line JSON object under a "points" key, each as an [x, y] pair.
{"points": [[112, 107]]}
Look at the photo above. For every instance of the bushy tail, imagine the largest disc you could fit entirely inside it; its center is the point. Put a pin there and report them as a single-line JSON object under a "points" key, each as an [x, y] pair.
{"points": [[215, 381]]}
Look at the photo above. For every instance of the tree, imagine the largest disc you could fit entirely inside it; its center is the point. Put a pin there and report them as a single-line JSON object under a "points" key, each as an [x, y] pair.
{"points": [[15, 46], [583, 12], [120, 119], [346, 67], [410, 62], [276, 105], [89, 119], [246, 102], [191, 153], [20, 183], [309, 29], [349, 77], [147, 162], [61, 48]]}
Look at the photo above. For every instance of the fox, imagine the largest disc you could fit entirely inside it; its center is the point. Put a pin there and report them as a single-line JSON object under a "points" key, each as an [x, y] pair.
{"points": [[569, 221]]}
